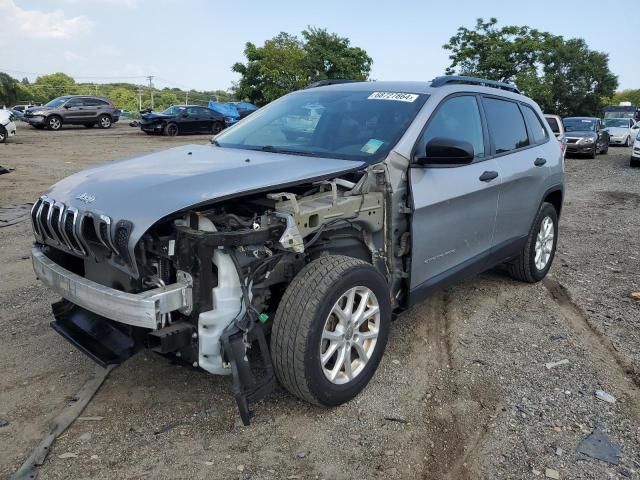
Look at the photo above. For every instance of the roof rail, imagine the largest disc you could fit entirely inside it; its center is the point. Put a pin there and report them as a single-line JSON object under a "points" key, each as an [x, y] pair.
{"points": [[447, 79], [331, 81]]}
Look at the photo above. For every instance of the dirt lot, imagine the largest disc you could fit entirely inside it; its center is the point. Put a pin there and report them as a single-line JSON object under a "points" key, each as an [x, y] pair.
{"points": [[462, 392]]}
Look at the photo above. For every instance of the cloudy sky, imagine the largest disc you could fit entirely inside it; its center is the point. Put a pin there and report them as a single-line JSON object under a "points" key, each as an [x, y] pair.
{"points": [[193, 43]]}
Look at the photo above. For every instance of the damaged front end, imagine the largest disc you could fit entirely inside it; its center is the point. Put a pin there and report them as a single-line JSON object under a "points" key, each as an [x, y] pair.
{"points": [[210, 279]]}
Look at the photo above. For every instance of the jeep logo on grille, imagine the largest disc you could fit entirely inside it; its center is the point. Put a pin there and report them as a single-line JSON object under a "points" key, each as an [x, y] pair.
{"points": [[85, 197]]}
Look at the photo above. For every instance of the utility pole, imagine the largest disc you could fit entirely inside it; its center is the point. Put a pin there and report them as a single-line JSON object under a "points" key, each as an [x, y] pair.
{"points": [[150, 78], [139, 98], [186, 98]]}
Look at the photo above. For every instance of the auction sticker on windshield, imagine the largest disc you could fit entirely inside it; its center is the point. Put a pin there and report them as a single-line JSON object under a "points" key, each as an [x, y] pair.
{"points": [[395, 96], [372, 146]]}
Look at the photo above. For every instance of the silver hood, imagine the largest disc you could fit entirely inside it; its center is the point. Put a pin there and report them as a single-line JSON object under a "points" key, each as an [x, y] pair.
{"points": [[145, 189]]}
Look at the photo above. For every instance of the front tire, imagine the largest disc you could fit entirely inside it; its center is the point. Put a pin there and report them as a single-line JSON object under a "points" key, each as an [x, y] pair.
{"points": [[216, 128], [536, 258], [634, 162], [626, 142], [3, 134], [331, 329], [171, 130], [54, 123]]}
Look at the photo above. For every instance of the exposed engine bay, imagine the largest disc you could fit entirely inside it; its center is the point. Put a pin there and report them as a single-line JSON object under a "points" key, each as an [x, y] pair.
{"points": [[237, 258]]}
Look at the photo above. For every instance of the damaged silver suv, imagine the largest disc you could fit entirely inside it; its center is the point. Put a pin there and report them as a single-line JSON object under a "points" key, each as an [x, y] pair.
{"points": [[288, 243]]}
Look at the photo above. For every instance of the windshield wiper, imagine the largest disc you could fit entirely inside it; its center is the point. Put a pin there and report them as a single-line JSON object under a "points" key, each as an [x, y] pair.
{"points": [[286, 151]]}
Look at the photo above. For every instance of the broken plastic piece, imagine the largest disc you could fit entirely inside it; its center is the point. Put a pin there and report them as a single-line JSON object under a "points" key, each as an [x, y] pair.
{"points": [[597, 445]]}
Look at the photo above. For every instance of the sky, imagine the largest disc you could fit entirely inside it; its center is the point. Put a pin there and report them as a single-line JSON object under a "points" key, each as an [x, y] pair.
{"points": [[193, 43]]}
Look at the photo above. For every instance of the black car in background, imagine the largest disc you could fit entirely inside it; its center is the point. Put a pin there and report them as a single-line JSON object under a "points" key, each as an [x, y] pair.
{"points": [[585, 136], [181, 119]]}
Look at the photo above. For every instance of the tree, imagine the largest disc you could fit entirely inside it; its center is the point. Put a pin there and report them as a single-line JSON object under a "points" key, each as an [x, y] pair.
{"points": [[48, 87], [629, 95], [329, 56], [124, 98], [286, 63], [563, 76], [9, 90]]}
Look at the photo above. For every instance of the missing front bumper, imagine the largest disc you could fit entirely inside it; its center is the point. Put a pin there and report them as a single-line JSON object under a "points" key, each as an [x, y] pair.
{"points": [[144, 309]]}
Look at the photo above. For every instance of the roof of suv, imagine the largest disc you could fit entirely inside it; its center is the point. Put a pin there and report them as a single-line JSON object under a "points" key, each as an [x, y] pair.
{"points": [[423, 88]]}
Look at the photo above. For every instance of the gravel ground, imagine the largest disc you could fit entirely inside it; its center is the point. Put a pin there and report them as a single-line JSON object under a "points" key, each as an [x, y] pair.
{"points": [[462, 391]]}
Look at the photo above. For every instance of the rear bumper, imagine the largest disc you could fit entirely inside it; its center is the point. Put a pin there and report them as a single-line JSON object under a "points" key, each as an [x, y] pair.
{"points": [[144, 309]]}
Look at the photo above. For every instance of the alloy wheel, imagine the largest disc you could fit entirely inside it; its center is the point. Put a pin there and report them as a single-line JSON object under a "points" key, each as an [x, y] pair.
{"points": [[544, 243], [349, 335]]}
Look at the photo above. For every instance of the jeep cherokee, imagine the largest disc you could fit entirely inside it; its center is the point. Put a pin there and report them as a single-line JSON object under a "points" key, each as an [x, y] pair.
{"points": [[290, 249]]}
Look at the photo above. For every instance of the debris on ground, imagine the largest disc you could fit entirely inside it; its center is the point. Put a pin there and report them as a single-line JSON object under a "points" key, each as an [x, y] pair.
{"points": [[68, 455], [597, 445], [5, 170], [90, 419], [635, 295], [551, 365], [551, 473], [605, 397], [3, 422]]}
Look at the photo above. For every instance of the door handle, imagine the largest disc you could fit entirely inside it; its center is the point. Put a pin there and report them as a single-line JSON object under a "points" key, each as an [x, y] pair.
{"points": [[540, 162], [488, 176]]}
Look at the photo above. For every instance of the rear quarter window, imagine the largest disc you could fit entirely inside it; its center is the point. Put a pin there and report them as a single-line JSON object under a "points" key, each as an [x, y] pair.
{"points": [[537, 130]]}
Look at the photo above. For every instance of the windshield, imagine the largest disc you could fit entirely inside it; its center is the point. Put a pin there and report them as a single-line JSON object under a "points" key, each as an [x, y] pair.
{"points": [[616, 122], [579, 124], [346, 124], [56, 102], [173, 110]]}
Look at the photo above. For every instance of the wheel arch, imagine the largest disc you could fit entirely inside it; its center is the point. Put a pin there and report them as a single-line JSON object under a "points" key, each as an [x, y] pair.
{"points": [[555, 197]]}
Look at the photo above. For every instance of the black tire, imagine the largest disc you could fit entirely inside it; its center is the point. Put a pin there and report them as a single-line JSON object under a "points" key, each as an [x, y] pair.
{"points": [[3, 134], [216, 127], [54, 123], [89, 125], [605, 150], [626, 142], [634, 162], [104, 121], [300, 320], [171, 130], [524, 268]]}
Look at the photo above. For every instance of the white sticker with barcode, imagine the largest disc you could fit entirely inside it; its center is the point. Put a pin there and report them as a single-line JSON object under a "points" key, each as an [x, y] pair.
{"points": [[395, 96]]}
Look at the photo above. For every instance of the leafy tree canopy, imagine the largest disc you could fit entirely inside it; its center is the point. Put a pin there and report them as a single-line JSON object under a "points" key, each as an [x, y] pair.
{"points": [[286, 63], [563, 76]]}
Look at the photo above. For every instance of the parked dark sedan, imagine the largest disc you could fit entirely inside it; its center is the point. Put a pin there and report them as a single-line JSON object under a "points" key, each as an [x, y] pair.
{"points": [[585, 136], [181, 119]]}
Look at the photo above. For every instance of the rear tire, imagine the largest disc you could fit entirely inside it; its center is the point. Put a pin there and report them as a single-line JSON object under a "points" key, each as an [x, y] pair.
{"points": [[536, 257], [104, 121], [314, 337], [54, 123]]}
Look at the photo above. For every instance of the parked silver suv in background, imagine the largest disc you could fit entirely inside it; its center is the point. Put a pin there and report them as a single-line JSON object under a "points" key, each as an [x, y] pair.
{"points": [[73, 110], [311, 238]]}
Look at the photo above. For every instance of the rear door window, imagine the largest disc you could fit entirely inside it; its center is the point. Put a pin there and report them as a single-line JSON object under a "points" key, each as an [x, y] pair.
{"points": [[506, 125]]}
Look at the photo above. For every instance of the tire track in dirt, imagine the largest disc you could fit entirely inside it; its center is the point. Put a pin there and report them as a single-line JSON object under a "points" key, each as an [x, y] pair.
{"points": [[612, 364], [458, 416]]}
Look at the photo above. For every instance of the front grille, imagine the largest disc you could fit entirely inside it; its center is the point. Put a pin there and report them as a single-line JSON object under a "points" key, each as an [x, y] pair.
{"points": [[65, 227], [572, 140]]}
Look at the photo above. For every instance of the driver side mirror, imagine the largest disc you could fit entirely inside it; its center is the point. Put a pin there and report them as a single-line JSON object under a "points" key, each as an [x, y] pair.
{"points": [[447, 151]]}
